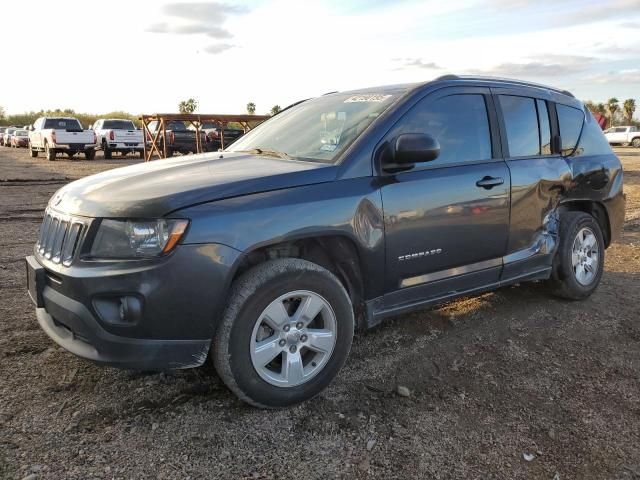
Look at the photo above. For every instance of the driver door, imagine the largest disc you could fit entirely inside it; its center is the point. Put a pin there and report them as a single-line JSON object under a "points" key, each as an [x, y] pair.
{"points": [[447, 220]]}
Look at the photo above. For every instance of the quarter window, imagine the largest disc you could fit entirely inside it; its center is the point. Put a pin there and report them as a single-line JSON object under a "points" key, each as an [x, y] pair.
{"points": [[521, 122], [459, 123], [570, 120]]}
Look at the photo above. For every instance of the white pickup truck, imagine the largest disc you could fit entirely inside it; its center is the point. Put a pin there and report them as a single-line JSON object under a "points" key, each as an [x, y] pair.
{"points": [[61, 134], [115, 135], [624, 136]]}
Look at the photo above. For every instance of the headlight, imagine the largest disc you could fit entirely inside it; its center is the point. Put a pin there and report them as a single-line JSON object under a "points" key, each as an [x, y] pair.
{"points": [[137, 238]]}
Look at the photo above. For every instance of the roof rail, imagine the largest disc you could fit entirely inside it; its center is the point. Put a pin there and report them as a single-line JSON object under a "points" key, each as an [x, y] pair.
{"points": [[502, 79]]}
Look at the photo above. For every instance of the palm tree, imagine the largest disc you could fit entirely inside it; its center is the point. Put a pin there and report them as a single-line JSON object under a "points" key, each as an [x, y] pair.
{"points": [[251, 108], [601, 109], [275, 110], [188, 106], [629, 106], [612, 106]]}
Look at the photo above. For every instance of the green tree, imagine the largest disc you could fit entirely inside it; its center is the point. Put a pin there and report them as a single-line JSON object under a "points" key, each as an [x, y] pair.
{"points": [[188, 106], [601, 109], [251, 108], [629, 107], [2, 113], [275, 110], [612, 107]]}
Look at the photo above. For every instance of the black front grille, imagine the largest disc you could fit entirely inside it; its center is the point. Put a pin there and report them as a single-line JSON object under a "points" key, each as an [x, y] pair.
{"points": [[59, 237]]}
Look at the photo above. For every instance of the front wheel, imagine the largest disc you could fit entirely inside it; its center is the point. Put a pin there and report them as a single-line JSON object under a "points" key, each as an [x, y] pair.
{"points": [[636, 142], [285, 334], [579, 261], [33, 151]]}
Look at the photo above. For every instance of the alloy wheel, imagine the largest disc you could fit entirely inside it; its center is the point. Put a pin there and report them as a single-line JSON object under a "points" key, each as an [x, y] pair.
{"points": [[585, 256], [293, 338]]}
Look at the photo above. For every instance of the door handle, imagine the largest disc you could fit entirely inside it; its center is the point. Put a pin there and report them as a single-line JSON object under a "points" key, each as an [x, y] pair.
{"points": [[488, 182]]}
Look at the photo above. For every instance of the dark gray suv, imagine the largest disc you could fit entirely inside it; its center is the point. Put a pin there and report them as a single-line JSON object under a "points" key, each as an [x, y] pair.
{"points": [[335, 213]]}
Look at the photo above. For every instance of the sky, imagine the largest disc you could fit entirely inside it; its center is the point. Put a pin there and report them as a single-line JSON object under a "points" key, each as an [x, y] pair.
{"points": [[145, 56]]}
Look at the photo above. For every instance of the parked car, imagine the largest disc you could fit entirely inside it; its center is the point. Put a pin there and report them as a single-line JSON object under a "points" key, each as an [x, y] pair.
{"points": [[116, 135], [20, 138], [54, 135], [6, 136], [230, 135], [2, 130], [179, 138], [338, 212], [623, 135], [214, 135]]}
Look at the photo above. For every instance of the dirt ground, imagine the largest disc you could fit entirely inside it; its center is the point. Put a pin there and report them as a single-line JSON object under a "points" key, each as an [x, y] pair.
{"points": [[492, 379]]}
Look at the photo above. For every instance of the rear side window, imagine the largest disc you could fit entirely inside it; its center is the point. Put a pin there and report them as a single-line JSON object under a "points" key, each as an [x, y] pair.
{"points": [[570, 120], [592, 139], [544, 127], [521, 122], [459, 123]]}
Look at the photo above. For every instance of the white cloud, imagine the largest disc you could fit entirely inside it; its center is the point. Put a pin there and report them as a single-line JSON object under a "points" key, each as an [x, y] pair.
{"points": [[280, 51]]}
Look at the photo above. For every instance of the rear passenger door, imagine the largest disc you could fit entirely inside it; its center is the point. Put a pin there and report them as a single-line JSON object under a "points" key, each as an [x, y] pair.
{"points": [[447, 221], [539, 176]]}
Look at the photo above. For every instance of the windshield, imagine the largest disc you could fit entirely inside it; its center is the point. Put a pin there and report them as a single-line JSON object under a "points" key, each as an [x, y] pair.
{"points": [[21, 133], [319, 129], [119, 124]]}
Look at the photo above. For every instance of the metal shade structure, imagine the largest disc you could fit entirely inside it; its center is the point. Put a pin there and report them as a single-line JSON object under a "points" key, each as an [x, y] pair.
{"points": [[154, 141]]}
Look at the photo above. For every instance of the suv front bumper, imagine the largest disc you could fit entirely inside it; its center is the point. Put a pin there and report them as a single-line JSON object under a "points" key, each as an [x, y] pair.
{"points": [[179, 300]]}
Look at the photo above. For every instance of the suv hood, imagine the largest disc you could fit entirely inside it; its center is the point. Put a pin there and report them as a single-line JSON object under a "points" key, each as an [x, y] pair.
{"points": [[157, 188]]}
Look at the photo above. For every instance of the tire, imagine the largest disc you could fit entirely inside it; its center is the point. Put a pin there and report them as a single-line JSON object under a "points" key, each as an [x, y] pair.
{"points": [[90, 154], [266, 285], [106, 152], [32, 151], [50, 153], [636, 142], [169, 152], [577, 281], [141, 154]]}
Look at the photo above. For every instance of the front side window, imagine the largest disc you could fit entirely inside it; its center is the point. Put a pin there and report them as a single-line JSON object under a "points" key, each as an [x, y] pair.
{"points": [[570, 121], [459, 123], [317, 130], [521, 122]]}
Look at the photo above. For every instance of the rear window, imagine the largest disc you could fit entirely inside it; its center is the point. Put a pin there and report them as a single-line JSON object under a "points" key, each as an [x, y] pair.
{"points": [[592, 140], [176, 126], [521, 122], [62, 124], [570, 120], [119, 124]]}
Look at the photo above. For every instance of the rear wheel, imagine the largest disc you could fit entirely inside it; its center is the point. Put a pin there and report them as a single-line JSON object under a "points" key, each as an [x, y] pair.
{"points": [[141, 153], [50, 153], [106, 152], [90, 154], [636, 142], [33, 151], [579, 260], [285, 334]]}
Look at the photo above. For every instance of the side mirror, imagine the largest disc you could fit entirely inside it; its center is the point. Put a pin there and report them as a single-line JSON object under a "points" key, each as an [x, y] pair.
{"points": [[413, 148]]}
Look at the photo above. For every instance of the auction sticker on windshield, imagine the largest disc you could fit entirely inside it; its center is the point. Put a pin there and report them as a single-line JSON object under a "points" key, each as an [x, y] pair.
{"points": [[369, 97]]}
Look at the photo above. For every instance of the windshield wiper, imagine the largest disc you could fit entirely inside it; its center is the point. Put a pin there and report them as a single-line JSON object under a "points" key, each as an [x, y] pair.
{"points": [[271, 153]]}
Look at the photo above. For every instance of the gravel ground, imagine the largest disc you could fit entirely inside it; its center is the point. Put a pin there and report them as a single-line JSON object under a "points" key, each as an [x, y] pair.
{"points": [[491, 379]]}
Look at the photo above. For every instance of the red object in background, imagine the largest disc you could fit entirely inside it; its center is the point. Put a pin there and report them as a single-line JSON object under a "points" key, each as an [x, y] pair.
{"points": [[601, 119]]}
